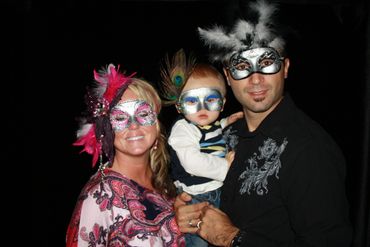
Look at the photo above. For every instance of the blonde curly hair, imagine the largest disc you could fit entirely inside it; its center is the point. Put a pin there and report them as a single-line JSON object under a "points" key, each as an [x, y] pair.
{"points": [[159, 157]]}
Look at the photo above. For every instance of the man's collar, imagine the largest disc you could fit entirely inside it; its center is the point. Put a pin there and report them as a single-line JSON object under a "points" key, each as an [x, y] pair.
{"points": [[270, 126]]}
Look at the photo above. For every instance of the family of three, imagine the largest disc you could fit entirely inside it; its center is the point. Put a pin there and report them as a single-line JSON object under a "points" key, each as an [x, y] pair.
{"points": [[266, 176]]}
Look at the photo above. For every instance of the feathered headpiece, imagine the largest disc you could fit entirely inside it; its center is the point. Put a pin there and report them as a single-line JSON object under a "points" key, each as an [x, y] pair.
{"points": [[95, 133], [175, 74], [245, 34]]}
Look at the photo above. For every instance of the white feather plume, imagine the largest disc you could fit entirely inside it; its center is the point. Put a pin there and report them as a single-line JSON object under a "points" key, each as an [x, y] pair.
{"points": [[84, 129], [244, 35], [278, 43], [217, 37], [264, 9], [241, 29], [101, 80], [262, 32]]}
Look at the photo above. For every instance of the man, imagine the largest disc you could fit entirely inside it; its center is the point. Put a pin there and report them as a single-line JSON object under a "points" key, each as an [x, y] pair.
{"points": [[286, 186]]}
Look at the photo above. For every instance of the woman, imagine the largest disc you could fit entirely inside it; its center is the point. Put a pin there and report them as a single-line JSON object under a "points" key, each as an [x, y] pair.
{"points": [[129, 201]]}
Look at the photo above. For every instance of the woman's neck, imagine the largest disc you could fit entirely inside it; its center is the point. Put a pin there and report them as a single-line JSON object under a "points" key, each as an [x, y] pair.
{"points": [[135, 168]]}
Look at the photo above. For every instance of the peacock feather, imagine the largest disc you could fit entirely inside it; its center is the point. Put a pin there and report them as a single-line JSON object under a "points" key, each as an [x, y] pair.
{"points": [[174, 73]]}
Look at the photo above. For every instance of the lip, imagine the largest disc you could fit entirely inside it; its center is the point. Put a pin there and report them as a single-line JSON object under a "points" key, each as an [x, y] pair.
{"points": [[134, 138], [203, 116], [257, 93]]}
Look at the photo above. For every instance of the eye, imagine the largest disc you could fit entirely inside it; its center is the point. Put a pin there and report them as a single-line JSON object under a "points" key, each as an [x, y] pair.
{"points": [[212, 99], [121, 117], [266, 62], [143, 114], [191, 100], [243, 66]]}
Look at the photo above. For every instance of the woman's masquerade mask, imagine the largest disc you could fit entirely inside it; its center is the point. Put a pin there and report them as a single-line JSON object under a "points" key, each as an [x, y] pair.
{"points": [[132, 112]]}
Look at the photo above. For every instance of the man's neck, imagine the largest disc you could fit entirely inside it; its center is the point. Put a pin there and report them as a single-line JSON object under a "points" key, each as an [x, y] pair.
{"points": [[254, 119]]}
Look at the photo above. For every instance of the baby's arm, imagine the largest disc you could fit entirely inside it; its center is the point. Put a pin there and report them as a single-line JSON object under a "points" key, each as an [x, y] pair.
{"points": [[232, 118], [230, 157]]}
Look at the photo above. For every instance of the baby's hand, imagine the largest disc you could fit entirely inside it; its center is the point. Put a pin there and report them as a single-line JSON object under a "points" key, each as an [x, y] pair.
{"points": [[233, 117], [230, 157]]}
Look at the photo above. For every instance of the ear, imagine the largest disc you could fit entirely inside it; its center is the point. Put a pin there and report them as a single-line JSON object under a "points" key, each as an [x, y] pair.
{"points": [[155, 145], [178, 108], [226, 76], [223, 104], [286, 67]]}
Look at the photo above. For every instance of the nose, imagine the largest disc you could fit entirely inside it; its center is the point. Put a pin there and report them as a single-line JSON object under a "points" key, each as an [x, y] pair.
{"points": [[256, 78], [202, 105], [133, 126]]}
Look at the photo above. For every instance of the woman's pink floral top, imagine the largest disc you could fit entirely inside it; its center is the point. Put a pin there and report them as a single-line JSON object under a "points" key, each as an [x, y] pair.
{"points": [[116, 211]]}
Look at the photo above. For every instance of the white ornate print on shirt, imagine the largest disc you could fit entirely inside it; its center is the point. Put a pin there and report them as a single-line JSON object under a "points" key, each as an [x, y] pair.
{"points": [[230, 138], [261, 166]]}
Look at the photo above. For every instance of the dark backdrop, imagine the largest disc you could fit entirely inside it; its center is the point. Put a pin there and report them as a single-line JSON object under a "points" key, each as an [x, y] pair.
{"points": [[65, 40]]}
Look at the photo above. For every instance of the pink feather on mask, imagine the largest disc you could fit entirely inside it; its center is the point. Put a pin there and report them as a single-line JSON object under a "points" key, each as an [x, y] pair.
{"points": [[110, 81], [90, 143]]}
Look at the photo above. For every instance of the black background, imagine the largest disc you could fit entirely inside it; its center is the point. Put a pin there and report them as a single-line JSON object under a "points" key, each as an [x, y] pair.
{"points": [[64, 41]]}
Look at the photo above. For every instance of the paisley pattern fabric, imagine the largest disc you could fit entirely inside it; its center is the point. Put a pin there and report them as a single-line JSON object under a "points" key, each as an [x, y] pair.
{"points": [[116, 211]]}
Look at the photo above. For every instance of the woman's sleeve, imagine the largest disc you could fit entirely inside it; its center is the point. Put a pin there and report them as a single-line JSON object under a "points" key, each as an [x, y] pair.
{"points": [[94, 223], [92, 217]]}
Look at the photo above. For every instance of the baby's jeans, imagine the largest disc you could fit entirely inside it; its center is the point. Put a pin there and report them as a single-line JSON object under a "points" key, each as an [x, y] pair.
{"points": [[213, 197]]}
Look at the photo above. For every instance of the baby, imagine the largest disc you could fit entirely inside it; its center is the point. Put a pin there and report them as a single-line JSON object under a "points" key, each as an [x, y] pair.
{"points": [[199, 162]]}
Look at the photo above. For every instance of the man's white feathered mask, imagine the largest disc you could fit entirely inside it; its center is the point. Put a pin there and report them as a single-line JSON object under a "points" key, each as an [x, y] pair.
{"points": [[244, 35]]}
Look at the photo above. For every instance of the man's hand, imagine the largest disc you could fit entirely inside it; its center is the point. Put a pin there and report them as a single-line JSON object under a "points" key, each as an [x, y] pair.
{"points": [[216, 227], [187, 216]]}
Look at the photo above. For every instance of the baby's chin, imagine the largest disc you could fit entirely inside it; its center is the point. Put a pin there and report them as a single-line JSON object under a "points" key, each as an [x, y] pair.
{"points": [[202, 121], [203, 118]]}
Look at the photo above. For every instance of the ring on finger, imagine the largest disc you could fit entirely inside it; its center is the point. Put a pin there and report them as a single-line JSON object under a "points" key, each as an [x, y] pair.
{"points": [[198, 224]]}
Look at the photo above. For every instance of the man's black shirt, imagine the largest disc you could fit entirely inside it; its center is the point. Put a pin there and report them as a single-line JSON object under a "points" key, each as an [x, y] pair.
{"points": [[286, 184]]}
